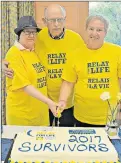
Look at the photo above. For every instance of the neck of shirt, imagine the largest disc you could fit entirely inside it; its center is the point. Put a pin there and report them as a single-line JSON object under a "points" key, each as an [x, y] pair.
{"points": [[21, 47], [61, 36]]}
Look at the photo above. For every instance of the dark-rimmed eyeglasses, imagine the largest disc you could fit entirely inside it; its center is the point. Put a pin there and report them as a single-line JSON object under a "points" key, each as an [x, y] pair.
{"points": [[28, 33], [54, 20]]}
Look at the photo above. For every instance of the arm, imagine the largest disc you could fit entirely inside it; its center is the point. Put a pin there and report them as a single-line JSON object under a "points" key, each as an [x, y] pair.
{"points": [[29, 89], [65, 91], [21, 79], [69, 78], [7, 71]]}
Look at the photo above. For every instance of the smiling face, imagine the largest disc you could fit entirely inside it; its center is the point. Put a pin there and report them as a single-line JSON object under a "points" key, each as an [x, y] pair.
{"points": [[96, 34], [55, 20]]}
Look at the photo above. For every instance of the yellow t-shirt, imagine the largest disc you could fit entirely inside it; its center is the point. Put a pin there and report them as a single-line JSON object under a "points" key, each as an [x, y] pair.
{"points": [[95, 72], [53, 54], [21, 108]]}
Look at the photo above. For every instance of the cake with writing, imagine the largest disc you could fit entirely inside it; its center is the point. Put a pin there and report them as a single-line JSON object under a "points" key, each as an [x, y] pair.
{"points": [[56, 144]]}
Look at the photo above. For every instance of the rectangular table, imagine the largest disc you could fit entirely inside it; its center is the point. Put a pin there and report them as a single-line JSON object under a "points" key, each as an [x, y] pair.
{"points": [[10, 132]]}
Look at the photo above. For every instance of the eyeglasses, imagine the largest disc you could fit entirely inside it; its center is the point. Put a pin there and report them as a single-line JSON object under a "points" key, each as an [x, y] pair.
{"points": [[28, 33], [59, 20]]}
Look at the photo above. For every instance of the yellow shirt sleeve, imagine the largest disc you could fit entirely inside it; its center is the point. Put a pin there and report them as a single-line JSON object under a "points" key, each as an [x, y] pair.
{"points": [[16, 63]]}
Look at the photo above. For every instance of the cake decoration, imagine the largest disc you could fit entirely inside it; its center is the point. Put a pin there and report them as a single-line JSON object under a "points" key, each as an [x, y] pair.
{"points": [[64, 145]]}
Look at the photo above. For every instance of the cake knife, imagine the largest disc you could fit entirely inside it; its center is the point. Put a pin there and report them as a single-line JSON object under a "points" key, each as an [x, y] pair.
{"points": [[54, 120], [58, 122]]}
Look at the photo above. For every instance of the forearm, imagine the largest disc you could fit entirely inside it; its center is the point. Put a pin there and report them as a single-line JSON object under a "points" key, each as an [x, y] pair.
{"points": [[36, 94], [65, 91]]}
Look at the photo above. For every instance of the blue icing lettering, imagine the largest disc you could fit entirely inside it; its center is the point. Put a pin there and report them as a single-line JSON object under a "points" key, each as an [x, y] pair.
{"points": [[99, 138], [47, 146], [25, 147], [56, 148], [70, 131], [89, 131], [39, 147], [90, 138], [73, 138], [83, 139], [82, 147], [64, 147], [92, 146], [72, 149], [103, 147]]}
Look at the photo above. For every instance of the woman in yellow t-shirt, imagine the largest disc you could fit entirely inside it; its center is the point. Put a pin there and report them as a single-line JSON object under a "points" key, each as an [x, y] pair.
{"points": [[27, 102], [92, 70]]}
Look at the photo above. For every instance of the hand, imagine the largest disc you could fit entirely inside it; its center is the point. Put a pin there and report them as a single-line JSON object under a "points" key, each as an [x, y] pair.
{"points": [[8, 72], [61, 105], [53, 107]]}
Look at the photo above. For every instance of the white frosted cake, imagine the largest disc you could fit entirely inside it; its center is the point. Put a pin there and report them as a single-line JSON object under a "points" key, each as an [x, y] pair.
{"points": [[64, 145]]}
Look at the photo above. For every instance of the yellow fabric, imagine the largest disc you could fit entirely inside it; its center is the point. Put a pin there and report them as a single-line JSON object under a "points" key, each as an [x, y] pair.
{"points": [[53, 54], [9, 18], [95, 72], [11, 11], [22, 109]]}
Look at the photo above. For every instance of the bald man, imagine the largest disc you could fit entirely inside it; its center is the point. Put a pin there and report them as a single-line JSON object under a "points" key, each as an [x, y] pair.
{"points": [[54, 46]]}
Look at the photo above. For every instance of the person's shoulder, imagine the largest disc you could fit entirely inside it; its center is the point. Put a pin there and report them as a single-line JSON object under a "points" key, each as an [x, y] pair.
{"points": [[114, 49], [72, 33], [13, 52], [13, 49], [76, 54], [42, 33], [112, 46]]}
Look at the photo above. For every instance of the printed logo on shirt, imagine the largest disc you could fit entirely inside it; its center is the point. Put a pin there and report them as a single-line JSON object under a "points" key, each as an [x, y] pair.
{"points": [[96, 68], [57, 58], [38, 67], [41, 82], [55, 73]]}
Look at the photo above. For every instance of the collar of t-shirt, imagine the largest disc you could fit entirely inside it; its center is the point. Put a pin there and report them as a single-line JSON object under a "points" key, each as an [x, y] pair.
{"points": [[58, 37], [21, 47]]}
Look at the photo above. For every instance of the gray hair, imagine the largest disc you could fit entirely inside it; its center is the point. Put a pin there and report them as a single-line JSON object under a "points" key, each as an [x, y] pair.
{"points": [[62, 9], [98, 17]]}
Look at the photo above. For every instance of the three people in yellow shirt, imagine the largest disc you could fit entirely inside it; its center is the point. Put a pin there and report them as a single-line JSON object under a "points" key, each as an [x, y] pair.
{"points": [[88, 69]]}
